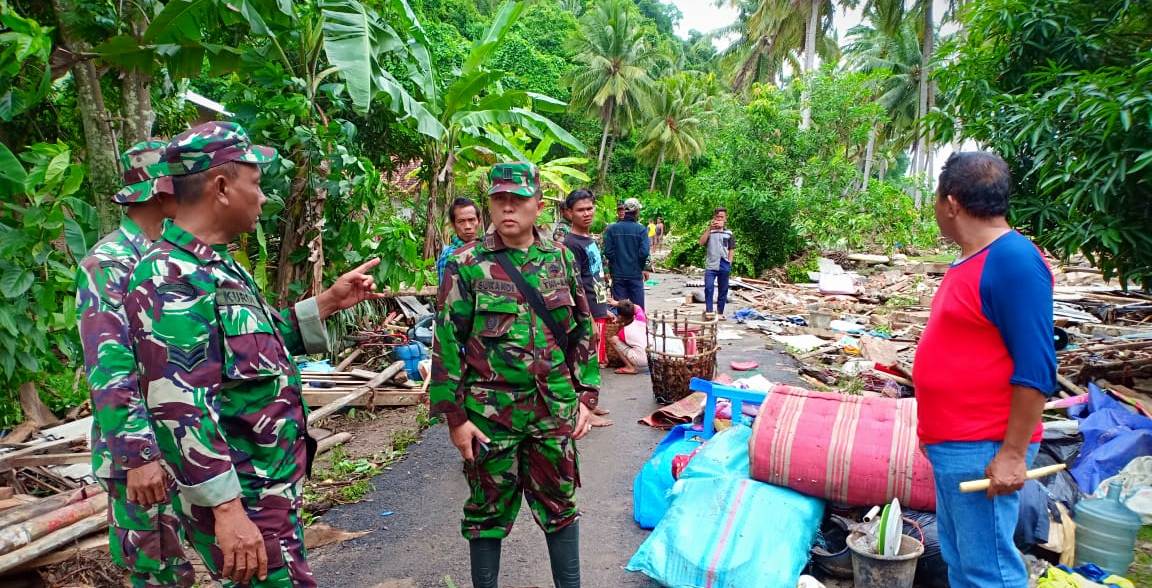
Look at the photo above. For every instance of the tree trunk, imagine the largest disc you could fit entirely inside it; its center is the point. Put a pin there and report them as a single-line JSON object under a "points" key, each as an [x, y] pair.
{"points": [[431, 232], [136, 93], [605, 151], [655, 169], [102, 151], [809, 62], [671, 178], [869, 151], [920, 158], [293, 226]]}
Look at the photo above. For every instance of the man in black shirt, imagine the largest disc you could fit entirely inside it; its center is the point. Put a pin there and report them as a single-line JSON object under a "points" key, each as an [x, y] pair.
{"points": [[580, 210]]}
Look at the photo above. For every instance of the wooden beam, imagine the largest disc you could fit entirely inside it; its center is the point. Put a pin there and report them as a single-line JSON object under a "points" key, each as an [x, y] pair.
{"points": [[49, 459], [338, 403], [6, 458], [331, 441], [320, 398]]}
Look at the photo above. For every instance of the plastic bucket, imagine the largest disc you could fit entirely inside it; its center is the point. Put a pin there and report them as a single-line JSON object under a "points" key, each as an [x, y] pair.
{"points": [[872, 570]]}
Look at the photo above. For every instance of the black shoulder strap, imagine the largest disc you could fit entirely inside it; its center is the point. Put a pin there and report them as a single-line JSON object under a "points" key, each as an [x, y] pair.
{"points": [[534, 299]]}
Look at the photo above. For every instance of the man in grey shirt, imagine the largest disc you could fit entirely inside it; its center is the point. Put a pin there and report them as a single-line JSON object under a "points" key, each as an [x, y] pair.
{"points": [[717, 260]]}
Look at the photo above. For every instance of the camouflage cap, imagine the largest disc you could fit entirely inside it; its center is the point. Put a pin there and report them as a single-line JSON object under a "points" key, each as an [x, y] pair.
{"points": [[211, 144], [145, 173], [520, 178], [632, 205]]}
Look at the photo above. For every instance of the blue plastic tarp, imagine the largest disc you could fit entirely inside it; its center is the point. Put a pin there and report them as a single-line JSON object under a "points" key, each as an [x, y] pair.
{"points": [[650, 488], [1113, 436]]}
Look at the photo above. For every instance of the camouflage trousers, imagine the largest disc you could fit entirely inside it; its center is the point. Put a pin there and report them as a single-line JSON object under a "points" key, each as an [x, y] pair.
{"points": [[146, 541], [538, 465], [283, 542]]}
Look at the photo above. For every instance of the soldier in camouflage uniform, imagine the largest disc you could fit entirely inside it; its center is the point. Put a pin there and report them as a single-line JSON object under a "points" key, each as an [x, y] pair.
{"points": [[216, 365], [144, 534], [515, 404]]}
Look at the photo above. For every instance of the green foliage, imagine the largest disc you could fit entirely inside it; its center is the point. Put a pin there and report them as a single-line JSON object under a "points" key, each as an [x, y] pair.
{"points": [[45, 228], [1059, 88], [25, 76]]}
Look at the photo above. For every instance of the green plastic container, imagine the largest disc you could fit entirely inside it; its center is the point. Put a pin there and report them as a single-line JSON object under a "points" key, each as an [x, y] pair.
{"points": [[1106, 532]]}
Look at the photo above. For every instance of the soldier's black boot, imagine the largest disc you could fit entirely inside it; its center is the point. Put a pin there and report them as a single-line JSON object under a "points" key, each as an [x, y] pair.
{"points": [[485, 555], [564, 555]]}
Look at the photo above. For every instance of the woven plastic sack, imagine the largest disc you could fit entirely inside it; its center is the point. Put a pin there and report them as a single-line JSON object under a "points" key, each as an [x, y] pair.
{"points": [[730, 533], [854, 450]]}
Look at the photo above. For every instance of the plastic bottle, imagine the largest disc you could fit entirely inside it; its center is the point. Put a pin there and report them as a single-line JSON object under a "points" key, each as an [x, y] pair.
{"points": [[1106, 532]]}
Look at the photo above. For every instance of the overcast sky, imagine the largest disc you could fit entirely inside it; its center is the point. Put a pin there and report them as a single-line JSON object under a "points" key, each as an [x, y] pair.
{"points": [[704, 16]]}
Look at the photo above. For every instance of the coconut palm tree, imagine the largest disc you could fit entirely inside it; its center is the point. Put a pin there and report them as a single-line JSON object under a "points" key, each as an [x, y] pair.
{"points": [[611, 76], [674, 132], [894, 48], [771, 33]]}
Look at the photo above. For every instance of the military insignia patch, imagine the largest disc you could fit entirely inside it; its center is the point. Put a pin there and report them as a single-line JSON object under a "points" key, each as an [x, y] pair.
{"points": [[188, 358], [549, 284], [181, 288], [495, 286], [554, 270]]}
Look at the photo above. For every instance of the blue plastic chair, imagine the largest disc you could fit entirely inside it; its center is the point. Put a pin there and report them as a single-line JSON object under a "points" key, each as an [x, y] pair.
{"points": [[737, 396]]}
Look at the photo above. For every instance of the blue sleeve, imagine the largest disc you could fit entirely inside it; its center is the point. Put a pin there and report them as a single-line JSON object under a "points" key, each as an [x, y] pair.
{"points": [[1016, 296], [645, 250], [610, 244]]}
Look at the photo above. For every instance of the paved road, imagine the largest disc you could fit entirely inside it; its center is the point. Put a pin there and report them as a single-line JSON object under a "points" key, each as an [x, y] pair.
{"points": [[419, 545]]}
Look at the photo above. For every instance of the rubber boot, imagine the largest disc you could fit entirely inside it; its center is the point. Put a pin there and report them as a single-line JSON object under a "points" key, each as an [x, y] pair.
{"points": [[485, 555], [564, 555]]}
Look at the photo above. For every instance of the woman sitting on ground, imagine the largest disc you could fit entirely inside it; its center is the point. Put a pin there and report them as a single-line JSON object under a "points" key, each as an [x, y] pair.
{"points": [[631, 340]]}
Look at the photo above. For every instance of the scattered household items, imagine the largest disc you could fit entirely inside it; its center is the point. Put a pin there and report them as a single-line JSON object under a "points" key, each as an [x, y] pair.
{"points": [[1113, 436], [1106, 532], [1136, 487], [853, 450], [682, 411], [762, 532], [871, 569], [681, 346]]}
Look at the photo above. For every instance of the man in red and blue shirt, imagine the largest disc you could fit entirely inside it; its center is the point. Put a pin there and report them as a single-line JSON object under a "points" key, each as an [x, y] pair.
{"points": [[984, 369]]}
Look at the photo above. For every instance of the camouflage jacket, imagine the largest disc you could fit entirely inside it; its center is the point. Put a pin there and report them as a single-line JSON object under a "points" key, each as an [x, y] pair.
{"points": [[493, 356], [122, 437], [217, 373]]}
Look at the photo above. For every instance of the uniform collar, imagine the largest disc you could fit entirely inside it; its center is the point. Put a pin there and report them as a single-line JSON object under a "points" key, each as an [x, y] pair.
{"points": [[456, 242], [175, 234], [493, 242], [134, 235]]}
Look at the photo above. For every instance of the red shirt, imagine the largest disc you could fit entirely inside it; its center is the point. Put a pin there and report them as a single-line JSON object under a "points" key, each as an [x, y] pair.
{"points": [[990, 329]]}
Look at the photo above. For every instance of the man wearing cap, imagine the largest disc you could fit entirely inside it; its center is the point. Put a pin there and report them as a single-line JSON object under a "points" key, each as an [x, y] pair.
{"points": [[516, 398], [216, 364], [626, 249], [144, 535]]}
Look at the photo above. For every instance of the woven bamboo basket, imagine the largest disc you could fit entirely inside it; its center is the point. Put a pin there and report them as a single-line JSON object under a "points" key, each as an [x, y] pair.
{"points": [[672, 372], [610, 331]]}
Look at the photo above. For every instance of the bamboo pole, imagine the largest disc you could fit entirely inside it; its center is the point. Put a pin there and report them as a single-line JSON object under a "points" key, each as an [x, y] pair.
{"points": [[20, 514], [330, 442], [52, 541], [18, 535]]}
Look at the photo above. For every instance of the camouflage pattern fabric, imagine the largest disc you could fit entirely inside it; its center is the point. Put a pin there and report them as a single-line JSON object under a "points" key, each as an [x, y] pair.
{"points": [[538, 463], [496, 363], [211, 144], [520, 178], [283, 534], [145, 173], [143, 541], [219, 381], [146, 541]]}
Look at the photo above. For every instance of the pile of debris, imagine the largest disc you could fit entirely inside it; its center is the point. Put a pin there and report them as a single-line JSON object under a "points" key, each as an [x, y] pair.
{"points": [[854, 327]]}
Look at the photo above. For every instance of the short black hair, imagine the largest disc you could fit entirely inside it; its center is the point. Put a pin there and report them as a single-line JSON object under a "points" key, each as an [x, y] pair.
{"points": [[577, 196], [188, 188], [980, 181], [718, 210], [627, 309], [461, 203], [619, 206]]}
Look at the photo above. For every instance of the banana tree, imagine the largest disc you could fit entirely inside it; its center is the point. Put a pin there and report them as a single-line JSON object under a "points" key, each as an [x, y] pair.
{"points": [[472, 107]]}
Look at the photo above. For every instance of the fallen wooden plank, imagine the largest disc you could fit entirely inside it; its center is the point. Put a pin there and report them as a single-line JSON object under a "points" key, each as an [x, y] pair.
{"points": [[17, 500], [52, 541], [47, 459], [320, 398], [347, 361], [338, 403], [21, 433], [6, 458]]}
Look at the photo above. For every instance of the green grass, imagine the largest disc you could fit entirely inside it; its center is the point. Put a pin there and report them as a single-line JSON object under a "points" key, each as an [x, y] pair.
{"points": [[1141, 571]]}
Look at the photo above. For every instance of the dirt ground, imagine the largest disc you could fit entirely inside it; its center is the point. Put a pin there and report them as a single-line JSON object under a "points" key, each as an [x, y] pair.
{"points": [[414, 511], [373, 431]]}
